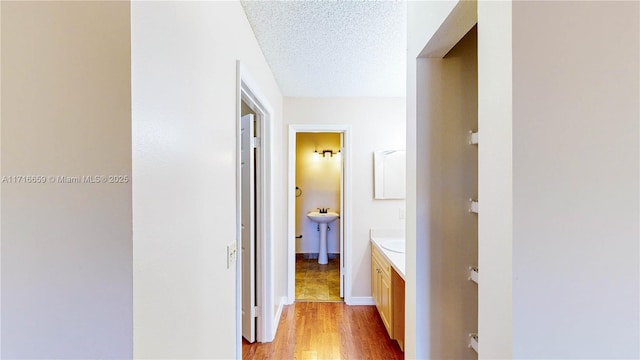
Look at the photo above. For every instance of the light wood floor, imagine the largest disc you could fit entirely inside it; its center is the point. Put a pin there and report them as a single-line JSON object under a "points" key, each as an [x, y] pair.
{"points": [[327, 330]]}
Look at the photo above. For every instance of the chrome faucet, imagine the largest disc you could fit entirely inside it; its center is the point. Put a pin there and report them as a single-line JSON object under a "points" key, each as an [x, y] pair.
{"points": [[323, 210]]}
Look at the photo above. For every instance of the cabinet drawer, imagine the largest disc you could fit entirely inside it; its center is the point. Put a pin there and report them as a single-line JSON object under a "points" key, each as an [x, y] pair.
{"points": [[384, 264]]}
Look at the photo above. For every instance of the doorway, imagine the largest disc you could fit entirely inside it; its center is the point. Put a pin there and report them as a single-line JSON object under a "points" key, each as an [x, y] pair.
{"points": [[319, 148], [318, 188], [254, 268]]}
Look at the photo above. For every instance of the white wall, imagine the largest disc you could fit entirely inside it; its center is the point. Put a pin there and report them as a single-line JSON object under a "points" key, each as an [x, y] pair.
{"points": [[319, 180], [376, 124], [184, 147], [66, 247], [495, 180], [576, 88]]}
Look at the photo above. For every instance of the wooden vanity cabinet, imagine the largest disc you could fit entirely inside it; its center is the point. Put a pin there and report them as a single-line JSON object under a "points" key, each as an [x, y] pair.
{"points": [[387, 289], [381, 288]]}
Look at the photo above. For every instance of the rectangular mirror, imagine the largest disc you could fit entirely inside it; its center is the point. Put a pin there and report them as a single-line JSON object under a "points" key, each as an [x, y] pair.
{"points": [[389, 174]]}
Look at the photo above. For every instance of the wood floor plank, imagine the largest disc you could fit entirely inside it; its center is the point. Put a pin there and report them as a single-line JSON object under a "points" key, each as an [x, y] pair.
{"points": [[325, 330]]}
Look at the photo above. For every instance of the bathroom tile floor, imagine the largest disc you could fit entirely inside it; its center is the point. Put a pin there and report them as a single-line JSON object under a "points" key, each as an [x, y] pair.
{"points": [[315, 282]]}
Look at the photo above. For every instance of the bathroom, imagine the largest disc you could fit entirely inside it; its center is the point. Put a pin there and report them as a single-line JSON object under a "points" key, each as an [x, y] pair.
{"points": [[318, 184]]}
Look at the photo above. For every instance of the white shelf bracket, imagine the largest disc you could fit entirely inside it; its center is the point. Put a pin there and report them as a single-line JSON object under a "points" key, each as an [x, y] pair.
{"points": [[473, 342], [473, 138], [473, 274], [473, 206]]}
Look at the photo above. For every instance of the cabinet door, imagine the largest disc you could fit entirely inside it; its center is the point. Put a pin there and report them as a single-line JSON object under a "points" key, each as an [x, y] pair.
{"points": [[385, 302], [381, 289]]}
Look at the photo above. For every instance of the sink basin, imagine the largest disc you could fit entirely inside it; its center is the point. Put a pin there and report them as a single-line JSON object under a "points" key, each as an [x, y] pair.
{"points": [[323, 218], [395, 245]]}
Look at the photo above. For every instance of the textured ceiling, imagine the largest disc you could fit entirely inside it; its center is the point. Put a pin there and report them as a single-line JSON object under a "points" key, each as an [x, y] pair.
{"points": [[333, 48]]}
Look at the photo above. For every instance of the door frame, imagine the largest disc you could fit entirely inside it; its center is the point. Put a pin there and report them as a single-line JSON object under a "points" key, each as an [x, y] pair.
{"points": [[345, 211], [250, 93]]}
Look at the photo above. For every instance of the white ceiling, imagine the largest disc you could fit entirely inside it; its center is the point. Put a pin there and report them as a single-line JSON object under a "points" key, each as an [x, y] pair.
{"points": [[333, 48]]}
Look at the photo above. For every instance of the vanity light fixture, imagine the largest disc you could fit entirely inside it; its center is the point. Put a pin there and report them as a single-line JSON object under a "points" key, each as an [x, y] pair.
{"points": [[325, 154]]}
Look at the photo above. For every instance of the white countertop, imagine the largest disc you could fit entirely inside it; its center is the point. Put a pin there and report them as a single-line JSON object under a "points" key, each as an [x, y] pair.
{"points": [[397, 260]]}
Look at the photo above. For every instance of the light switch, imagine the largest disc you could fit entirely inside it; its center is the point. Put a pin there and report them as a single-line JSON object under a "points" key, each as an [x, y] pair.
{"points": [[232, 254]]}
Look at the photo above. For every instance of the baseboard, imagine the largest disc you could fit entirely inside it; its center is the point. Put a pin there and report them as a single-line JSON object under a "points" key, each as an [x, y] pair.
{"points": [[361, 300], [276, 320]]}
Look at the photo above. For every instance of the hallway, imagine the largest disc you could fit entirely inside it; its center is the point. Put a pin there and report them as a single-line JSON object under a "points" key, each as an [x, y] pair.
{"points": [[327, 330]]}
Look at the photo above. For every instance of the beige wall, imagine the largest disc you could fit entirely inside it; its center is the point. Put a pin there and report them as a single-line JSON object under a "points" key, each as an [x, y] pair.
{"points": [[66, 247], [319, 180], [576, 91], [388, 133], [184, 159]]}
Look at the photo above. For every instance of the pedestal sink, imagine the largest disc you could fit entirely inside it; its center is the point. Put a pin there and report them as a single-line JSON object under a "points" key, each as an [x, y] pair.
{"points": [[323, 219]]}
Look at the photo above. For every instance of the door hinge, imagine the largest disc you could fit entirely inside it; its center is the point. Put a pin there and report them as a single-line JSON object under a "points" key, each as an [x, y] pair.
{"points": [[255, 142], [255, 311]]}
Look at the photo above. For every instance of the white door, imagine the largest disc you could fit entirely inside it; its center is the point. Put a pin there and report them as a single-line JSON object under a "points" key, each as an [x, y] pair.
{"points": [[341, 233], [248, 229]]}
